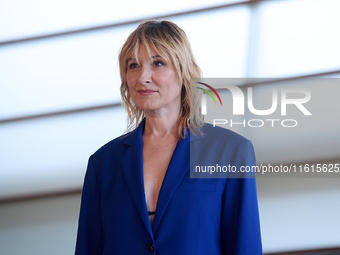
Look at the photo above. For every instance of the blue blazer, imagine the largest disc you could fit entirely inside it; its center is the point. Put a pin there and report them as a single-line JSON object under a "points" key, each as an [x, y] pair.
{"points": [[193, 215]]}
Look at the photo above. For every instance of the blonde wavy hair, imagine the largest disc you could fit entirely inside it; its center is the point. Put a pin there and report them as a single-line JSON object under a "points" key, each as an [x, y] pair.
{"points": [[172, 44]]}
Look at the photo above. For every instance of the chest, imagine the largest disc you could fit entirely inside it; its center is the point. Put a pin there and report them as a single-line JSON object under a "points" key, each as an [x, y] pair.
{"points": [[156, 158]]}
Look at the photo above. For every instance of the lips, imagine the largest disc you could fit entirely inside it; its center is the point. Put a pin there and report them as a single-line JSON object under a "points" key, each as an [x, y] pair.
{"points": [[146, 92]]}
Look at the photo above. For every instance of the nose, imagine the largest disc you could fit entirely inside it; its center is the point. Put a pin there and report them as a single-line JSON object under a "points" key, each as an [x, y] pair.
{"points": [[145, 76]]}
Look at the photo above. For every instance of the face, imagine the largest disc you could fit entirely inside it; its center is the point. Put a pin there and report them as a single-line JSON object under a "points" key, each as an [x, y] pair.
{"points": [[153, 83]]}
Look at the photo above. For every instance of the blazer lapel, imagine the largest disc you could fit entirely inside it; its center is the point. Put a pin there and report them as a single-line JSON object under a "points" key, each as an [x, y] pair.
{"points": [[177, 168], [132, 164]]}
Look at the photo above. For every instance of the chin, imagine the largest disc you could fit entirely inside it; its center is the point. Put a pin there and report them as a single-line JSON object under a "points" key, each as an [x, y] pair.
{"points": [[147, 107]]}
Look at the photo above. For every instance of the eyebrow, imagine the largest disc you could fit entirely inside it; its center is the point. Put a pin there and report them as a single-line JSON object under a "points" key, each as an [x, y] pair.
{"points": [[129, 59]]}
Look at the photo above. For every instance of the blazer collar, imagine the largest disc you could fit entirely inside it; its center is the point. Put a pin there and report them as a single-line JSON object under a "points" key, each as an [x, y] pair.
{"points": [[135, 136], [132, 166], [177, 168]]}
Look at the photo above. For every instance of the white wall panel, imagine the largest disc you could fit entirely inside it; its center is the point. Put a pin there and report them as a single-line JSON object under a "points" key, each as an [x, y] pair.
{"points": [[61, 73], [40, 227], [23, 18], [298, 37], [299, 213], [50, 154], [219, 40]]}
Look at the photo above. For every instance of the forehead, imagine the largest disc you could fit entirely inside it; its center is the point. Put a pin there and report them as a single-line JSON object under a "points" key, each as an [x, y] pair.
{"points": [[145, 52]]}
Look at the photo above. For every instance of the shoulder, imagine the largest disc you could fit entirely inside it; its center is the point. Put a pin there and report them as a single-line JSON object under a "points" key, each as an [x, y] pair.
{"points": [[222, 147], [112, 145], [220, 140], [113, 149], [222, 135]]}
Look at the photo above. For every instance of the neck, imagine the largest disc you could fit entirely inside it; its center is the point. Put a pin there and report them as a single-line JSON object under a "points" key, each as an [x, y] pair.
{"points": [[161, 126]]}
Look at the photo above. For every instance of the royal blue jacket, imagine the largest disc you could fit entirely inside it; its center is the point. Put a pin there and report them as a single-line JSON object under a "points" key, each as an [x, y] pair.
{"points": [[194, 216]]}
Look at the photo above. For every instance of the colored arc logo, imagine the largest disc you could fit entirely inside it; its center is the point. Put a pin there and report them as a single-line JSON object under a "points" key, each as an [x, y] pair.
{"points": [[212, 89]]}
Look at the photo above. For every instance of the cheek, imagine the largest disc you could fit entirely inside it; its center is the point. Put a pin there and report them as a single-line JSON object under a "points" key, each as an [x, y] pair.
{"points": [[130, 87], [171, 79], [129, 81]]}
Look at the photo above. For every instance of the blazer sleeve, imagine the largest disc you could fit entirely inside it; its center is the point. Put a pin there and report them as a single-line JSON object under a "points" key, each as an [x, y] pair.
{"points": [[240, 215], [90, 230]]}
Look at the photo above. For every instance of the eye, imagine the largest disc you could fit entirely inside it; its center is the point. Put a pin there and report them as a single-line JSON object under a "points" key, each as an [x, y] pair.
{"points": [[158, 63], [133, 65]]}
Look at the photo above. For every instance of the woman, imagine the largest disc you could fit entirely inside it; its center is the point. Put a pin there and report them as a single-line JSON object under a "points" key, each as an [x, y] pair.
{"points": [[138, 197]]}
